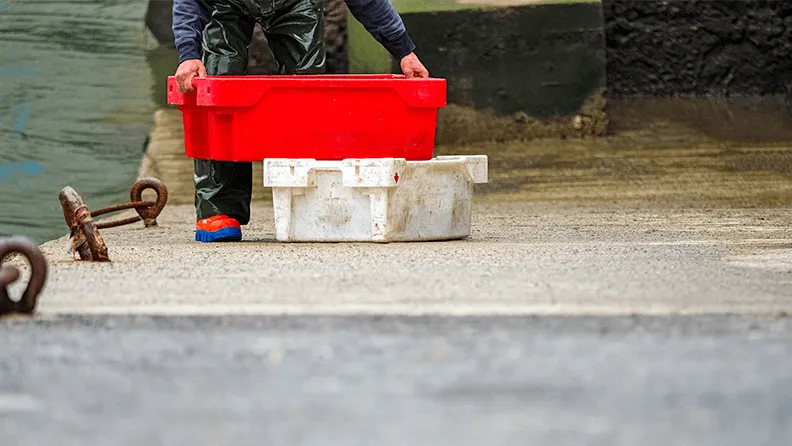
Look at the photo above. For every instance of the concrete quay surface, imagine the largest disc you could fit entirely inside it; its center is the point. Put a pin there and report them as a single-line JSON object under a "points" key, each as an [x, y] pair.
{"points": [[520, 259], [630, 290], [394, 380], [552, 324]]}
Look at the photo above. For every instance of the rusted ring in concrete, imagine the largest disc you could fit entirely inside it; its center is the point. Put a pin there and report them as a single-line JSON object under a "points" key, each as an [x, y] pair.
{"points": [[10, 274], [149, 214]]}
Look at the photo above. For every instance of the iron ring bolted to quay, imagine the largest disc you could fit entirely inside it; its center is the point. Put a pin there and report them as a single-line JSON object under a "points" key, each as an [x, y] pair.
{"points": [[10, 274], [85, 238]]}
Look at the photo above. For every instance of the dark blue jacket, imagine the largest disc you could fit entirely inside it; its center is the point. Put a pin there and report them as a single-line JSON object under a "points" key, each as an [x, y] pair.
{"points": [[377, 16]]}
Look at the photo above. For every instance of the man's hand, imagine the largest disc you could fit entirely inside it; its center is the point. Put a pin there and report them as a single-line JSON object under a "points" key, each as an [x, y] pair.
{"points": [[187, 71], [412, 67]]}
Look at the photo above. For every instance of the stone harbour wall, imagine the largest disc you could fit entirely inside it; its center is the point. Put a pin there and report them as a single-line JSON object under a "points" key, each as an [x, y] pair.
{"points": [[698, 47]]}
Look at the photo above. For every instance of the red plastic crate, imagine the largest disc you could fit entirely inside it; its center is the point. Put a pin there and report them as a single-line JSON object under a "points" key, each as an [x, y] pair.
{"points": [[324, 117]]}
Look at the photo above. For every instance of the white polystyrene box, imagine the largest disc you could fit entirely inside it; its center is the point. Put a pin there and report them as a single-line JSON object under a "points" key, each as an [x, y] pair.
{"points": [[373, 200]]}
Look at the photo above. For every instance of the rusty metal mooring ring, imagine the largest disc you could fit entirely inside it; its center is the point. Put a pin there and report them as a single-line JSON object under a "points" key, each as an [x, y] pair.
{"points": [[148, 211], [85, 236], [10, 274], [149, 214]]}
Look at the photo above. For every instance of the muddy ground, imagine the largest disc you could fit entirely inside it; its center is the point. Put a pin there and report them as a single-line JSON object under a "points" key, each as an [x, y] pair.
{"points": [[681, 152]]}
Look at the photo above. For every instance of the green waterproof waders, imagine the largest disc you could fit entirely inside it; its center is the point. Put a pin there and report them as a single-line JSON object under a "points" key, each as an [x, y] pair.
{"points": [[295, 33]]}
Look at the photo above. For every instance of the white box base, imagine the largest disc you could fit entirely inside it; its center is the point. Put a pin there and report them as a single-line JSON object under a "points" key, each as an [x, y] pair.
{"points": [[373, 200]]}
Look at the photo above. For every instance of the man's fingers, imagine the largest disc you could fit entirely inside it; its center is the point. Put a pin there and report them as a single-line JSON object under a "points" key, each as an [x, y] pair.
{"points": [[187, 71], [180, 82], [188, 81], [185, 82], [417, 73], [182, 86]]}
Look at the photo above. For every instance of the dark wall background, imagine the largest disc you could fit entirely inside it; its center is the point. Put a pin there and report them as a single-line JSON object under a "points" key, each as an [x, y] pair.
{"points": [[541, 60], [546, 62], [697, 47]]}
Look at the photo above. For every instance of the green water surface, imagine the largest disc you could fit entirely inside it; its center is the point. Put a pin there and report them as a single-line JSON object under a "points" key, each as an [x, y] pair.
{"points": [[76, 106]]}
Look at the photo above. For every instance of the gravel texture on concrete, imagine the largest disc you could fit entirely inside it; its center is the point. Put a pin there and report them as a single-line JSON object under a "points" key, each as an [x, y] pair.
{"points": [[125, 380], [416, 343], [521, 259]]}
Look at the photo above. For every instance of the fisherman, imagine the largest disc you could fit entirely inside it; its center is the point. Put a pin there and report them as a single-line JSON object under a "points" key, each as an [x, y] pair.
{"points": [[212, 38]]}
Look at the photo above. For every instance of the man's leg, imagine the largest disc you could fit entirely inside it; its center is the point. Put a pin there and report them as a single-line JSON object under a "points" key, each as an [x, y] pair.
{"points": [[295, 32], [224, 188]]}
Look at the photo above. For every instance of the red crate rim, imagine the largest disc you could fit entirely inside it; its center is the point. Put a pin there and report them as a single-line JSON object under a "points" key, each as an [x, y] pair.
{"points": [[431, 90], [351, 77]]}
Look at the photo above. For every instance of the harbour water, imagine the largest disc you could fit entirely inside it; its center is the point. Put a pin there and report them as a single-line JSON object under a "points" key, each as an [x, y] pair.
{"points": [[77, 98]]}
